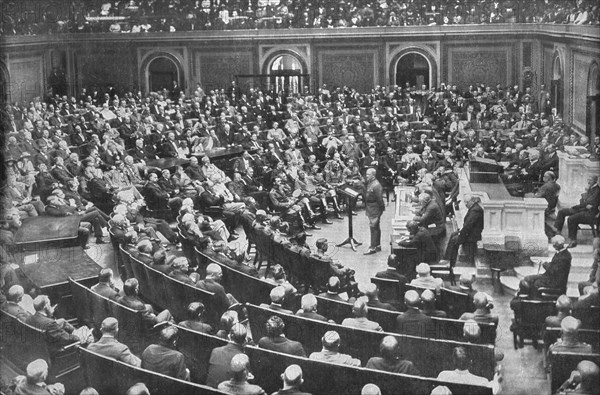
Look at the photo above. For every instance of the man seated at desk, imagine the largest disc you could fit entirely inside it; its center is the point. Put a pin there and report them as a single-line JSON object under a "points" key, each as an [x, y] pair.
{"points": [[419, 238]]}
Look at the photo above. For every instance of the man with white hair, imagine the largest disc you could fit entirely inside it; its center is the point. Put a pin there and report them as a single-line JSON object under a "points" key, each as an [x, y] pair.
{"points": [[470, 231], [109, 346], [425, 280], [308, 308], [238, 384], [12, 307], [556, 273], [330, 353], [35, 383]]}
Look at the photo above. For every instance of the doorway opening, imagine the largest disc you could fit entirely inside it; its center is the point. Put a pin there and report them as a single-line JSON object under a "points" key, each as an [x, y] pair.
{"points": [[413, 69]]}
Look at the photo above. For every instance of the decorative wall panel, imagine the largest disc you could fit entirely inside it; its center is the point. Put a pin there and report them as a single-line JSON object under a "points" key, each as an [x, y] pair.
{"points": [[355, 69], [581, 67], [105, 67], [217, 70], [485, 65], [26, 79]]}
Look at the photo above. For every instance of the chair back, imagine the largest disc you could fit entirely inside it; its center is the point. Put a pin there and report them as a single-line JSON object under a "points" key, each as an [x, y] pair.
{"points": [[333, 379], [126, 259], [389, 289], [109, 376], [563, 363], [455, 303], [361, 343], [589, 336]]}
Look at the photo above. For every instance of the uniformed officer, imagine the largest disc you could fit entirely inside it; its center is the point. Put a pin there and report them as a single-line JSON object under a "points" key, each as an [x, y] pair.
{"points": [[374, 209]]}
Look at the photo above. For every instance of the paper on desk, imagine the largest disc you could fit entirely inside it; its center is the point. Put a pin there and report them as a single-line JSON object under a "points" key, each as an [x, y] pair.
{"points": [[30, 258]]}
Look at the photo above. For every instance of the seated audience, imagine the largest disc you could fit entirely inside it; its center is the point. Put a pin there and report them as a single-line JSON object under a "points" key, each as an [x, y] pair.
{"points": [[105, 286], [219, 364], [132, 300], [372, 294], [360, 320], [308, 308], [426, 280], [482, 311], [563, 309], [109, 346], [35, 382], [462, 375], [164, 358], [330, 352], [195, 320], [12, 307], [292, 380], [585, 380], [58, 331], [276, 340], [391, 272], [569, 338], [390, 360], [556, 274], [413, 321], [238, 384], [428, 305], [211, 283]]}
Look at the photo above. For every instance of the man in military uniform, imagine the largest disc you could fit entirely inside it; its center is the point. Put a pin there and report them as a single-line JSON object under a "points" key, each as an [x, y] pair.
{"points": [[374, 209]]}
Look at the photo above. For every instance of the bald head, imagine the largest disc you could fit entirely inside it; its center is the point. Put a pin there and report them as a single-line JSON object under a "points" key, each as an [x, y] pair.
{"points": [[589, 374], [388, 348], [292, 377], [37, 371], [480, 300], [110, 326], [370, 389], [331, 340], [412, 299], [15, 293]]}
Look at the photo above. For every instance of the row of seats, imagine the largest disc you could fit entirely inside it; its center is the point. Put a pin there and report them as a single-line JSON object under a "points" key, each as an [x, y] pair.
{"points": [[253, 290]]}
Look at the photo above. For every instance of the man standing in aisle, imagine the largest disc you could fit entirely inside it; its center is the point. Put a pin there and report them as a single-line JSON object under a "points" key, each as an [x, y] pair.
{"points": [[374, 208]]}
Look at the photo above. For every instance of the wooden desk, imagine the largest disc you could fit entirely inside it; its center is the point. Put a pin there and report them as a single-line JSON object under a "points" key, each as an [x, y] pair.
{"points": [[47, 229]]}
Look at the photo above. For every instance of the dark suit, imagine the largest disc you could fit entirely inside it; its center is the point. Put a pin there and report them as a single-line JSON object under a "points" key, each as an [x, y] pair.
{"points": [[16, 311], [112, 348], [580, 214], [422, 241], [58, 334], [283, 345], [375, 206], [164, 360], [556, 275], [414, 322], [169, 149], [469, 233], [219, 364], [221, 299], [105, 290]]}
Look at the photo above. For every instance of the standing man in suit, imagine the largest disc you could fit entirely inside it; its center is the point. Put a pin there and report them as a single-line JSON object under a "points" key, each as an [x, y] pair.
{"points": [[557, 271], [109, 346], [374, 209], [470, 231]]}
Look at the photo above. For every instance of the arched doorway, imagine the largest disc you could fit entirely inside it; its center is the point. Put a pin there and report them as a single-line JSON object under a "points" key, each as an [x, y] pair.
{"points": [[286, 74], [556, 85], [163, 73], [414, 69], [593, 102]]}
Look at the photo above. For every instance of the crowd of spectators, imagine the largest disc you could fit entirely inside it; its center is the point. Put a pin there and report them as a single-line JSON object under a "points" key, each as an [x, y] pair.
{"points": [[93, 155], [187, 15]]}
